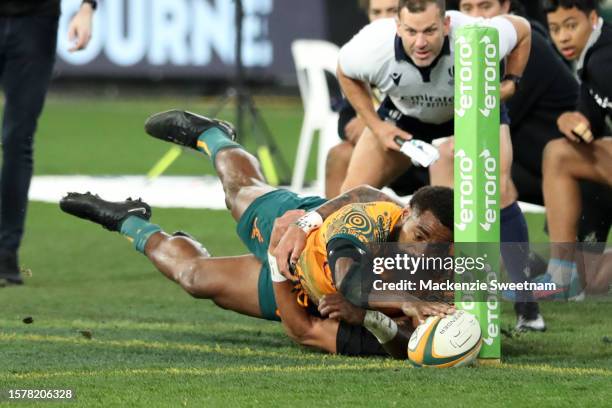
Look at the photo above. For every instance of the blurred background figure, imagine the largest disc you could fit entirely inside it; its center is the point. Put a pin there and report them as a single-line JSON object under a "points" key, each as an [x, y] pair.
{"points": [[585, 40], [28, 35], [540, 99], [546, 90], [350, 126]]}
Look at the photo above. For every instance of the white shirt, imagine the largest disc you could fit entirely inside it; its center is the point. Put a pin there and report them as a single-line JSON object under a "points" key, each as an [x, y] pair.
{"points": [[376, 56]]}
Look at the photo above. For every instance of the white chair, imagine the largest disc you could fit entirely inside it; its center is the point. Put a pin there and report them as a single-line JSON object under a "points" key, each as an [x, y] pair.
{"points": [[312, 59]]}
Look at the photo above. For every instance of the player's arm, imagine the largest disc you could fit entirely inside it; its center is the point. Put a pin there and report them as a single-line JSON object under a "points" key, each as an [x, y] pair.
{"points": [[581, 125], [348, 262], [359, 194], [358, 94], [385, 329], [413, 307], [303, 328], [575, 126], [589, 120], [518, 57], [290, 232]]}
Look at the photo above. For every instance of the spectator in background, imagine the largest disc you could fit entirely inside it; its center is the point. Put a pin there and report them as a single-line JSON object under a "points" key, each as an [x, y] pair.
{"points": [[28, 34], [585, 40], [546, 90], [411, 61], [350, 126]]}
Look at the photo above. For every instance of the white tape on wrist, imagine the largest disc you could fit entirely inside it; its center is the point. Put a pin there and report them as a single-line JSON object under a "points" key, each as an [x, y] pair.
{"points": [[310, 221], [380, 325], [275, 274]]}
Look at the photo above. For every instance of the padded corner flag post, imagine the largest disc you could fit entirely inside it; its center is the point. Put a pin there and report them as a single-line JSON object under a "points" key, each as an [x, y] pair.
{"points": [[477, 209]]}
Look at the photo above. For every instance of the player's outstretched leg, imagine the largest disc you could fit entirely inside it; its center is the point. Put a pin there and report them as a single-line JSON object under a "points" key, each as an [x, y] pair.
{"points": [[230, 282], [238, 170]]}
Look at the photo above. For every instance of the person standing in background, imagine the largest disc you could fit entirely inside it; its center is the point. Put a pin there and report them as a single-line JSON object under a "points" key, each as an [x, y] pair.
{"points": [[350, 125], [28, 39]]}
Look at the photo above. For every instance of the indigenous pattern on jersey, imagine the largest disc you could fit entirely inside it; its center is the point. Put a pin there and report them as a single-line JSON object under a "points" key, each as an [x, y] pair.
{"points": [[376, 56], [360, 223]]}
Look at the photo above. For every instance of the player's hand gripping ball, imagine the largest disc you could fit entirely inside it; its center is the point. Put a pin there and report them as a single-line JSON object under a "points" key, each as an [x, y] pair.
{"points": [[451, 341]]}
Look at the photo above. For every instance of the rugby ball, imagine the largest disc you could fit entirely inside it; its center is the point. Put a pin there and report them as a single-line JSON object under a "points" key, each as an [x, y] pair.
{"points": [[452, 341]]}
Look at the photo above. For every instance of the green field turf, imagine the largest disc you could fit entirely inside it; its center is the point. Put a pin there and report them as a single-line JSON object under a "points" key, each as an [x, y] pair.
{"points": [[75, 134], [153, 345]]}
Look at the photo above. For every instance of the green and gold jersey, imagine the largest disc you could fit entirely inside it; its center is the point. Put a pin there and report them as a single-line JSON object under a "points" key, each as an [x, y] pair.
{"points": [[361, 223]]}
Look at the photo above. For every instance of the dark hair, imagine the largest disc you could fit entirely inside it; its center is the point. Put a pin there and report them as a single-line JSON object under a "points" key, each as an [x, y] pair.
{"points": [[418, 6], [586, 6], [516, 7], [437, 200]]}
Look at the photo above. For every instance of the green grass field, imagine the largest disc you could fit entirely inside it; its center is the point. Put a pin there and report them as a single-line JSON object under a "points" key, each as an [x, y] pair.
{"points": [[152, 345]]}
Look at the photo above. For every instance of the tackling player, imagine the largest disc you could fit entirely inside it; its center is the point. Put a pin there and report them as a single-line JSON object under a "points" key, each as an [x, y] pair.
{"points": [[253, 286]]}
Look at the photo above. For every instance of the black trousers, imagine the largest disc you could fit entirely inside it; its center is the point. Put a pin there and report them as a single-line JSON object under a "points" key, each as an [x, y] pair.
{"points": [[27, 54]]}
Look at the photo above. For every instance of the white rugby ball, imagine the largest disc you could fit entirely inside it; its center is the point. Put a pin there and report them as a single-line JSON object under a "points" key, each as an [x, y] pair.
{"points": [[452, 341]]}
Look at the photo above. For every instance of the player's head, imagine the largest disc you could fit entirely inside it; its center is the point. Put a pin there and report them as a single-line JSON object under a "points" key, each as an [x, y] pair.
{"points": [[377, 9], [422, 26], [571, 23], [429, 217], [484, 8]]}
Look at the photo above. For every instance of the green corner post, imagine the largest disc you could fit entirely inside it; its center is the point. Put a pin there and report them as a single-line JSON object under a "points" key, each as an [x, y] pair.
{"points": [[477, 205]]}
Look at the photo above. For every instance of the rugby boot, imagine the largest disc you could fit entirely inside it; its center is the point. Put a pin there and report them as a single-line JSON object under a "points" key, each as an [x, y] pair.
{"points": [[535, 324], [108, 214], [183, 128]]}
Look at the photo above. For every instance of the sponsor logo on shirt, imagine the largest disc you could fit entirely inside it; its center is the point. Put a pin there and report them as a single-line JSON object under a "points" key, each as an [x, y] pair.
{"points": [[396, 78]]}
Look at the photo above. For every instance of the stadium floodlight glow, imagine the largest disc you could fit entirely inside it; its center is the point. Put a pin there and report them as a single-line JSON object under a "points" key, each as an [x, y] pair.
{"points": [[477, 209]]}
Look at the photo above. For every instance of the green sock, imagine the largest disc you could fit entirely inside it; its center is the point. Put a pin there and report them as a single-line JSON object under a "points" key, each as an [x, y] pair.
{"points": [[138, 231], [214, 140]]}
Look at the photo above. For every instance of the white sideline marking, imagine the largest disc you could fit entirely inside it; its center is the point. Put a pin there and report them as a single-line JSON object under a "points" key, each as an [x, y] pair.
{"points": [[166, 191]]}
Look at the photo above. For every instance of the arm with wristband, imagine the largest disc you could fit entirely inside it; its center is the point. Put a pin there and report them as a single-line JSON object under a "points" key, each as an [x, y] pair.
{"points": [[391, 336], [517, 58], [289, 239]]}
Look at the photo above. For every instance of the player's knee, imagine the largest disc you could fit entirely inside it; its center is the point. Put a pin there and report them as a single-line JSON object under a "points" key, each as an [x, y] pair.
{"points": [[556, 154], [195, 281], [341, 153]]}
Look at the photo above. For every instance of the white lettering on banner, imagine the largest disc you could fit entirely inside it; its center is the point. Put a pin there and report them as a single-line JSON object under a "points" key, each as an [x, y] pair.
{"points": [[171, 32], [216, 31], [127, 48], [466, 188], [490, 165], [491, 76], [492, 311], [466, 74], [168, 44]]}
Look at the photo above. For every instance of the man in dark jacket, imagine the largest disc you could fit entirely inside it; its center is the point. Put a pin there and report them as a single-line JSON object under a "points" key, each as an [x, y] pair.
{"points": [[585, 153], [28, 34]]}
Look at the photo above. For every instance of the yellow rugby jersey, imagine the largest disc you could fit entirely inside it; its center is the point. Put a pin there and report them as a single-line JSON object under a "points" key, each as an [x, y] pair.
{"points": [[361, 223]]}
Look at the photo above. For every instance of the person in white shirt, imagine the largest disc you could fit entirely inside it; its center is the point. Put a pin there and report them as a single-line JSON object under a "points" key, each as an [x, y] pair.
{"points": [[411, 60], [351, 125]]}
